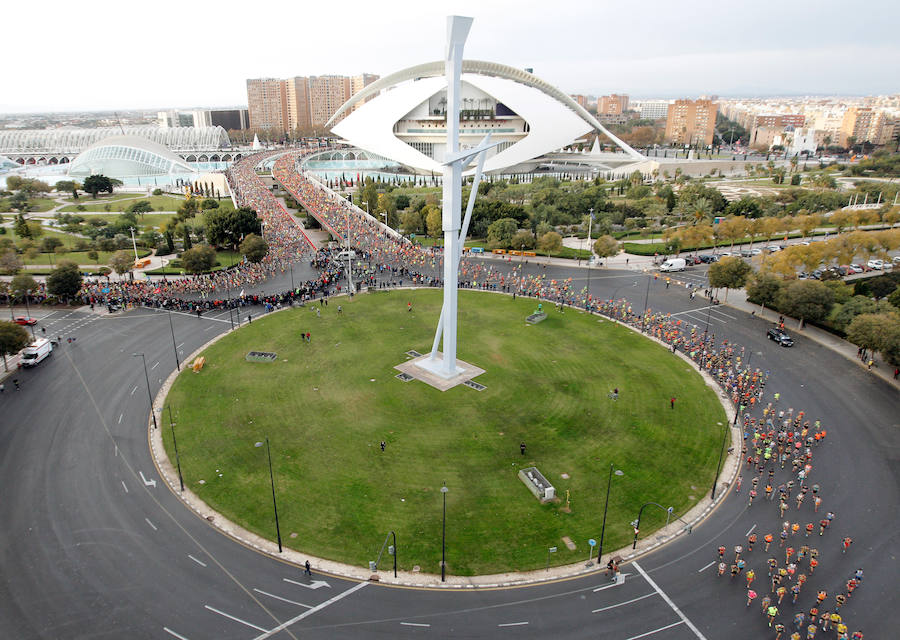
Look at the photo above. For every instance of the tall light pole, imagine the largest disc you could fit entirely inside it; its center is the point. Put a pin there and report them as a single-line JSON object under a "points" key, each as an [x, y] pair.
{"points": [[444, 491], [147, 378], [174, 345], [646, 302], [587, 303], [349, 263], [175, 444], [28, 312], [712, 495], [618, 472], [272, 480], [133, 243]]}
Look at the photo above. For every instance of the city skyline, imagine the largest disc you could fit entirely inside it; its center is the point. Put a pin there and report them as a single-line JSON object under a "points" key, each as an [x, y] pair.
{"points": [[662, 50]]}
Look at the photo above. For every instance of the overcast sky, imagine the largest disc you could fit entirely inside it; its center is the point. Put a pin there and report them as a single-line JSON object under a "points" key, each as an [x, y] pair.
{"points": [[105, 54]]}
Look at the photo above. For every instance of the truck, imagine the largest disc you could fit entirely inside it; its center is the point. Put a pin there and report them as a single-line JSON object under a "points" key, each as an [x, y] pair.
{"points": [[36, 351], [673, 264]]}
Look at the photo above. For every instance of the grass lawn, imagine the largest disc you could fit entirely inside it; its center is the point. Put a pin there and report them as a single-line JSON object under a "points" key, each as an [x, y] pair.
{"points": [[34, 205], [80, 257], [159, 203], [326, 406], [225, 259], [154, 220]]}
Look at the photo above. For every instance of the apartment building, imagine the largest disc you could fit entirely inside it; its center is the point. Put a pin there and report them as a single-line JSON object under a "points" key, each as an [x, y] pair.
{"points": [[691, 122], [612, 105]]}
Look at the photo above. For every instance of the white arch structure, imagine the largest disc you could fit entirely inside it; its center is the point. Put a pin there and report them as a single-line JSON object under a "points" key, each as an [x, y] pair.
{"points": [[553, 118], [57, 141]]}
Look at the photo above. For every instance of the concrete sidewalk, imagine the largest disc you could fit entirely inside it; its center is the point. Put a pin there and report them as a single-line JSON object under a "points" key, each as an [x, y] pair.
{"points": [[737, 299]]}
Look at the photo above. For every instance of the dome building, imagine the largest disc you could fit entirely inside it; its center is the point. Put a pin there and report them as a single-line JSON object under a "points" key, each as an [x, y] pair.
{"points": [[403, 117], [127, 157]]}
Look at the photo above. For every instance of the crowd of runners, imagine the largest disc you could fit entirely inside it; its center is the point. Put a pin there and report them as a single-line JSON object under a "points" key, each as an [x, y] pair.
{"points": [[777, 456]]}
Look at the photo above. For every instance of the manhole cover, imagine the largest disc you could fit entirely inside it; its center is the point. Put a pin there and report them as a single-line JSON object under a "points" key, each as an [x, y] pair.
{"points": [[413, 354], [405, 377], [474, 385]]}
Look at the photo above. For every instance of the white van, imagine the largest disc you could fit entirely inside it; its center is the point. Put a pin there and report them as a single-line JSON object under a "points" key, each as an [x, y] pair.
{"points": [[673, 264], [345, 255], [35, 352]]}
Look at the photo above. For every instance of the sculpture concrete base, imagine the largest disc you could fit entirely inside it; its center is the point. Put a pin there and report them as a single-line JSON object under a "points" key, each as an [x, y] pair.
{"points": [[430, 371]]}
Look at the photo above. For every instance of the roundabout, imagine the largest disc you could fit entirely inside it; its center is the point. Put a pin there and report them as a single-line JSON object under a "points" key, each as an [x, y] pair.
{"points": [[327, 405]]}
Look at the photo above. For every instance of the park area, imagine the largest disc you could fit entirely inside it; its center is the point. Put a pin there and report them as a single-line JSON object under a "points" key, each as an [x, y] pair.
{"points": [[326, 405]]}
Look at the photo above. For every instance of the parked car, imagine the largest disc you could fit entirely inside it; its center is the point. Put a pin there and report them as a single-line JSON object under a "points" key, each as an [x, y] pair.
{"points": [[841, 271], [875, 264], [707, 258], [691, 260], [755, 252], [746, 253], [855, 268], [25, 321], [772, 248], [673, 264], [778, 335], [816, 275]]}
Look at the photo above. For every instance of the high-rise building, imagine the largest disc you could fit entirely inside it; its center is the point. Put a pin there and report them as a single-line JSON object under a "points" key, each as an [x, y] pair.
{"points": [[612, 105], [691, 122], [228, 119], [778, 120], [865, 124], [580, 99], [360, 82], [174, 118], [267, 103], [299, 103], [651, 109]]}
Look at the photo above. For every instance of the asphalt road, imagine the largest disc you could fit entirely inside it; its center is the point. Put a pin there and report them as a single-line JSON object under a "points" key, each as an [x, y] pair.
{"points": [[91, 548]]}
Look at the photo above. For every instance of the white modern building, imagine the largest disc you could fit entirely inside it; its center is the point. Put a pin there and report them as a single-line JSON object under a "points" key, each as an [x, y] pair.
{"points": [[651, 109], [405, 118], [127, 157]]}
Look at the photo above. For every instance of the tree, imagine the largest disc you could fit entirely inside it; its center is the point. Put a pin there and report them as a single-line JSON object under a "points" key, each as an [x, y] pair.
{"points": [[68, 185], [19, 201], [606, 246], [550, 242], [501, 232], [763, 289], [843, 314], [433, 220], [877, 332], [411, 221], [13, 338], [140, 207], [10, 263], [22, 283], [94, 184], [208, 204], [93, 255], [806, 300], [64, 281], [49, 244], [200, 259], [122, 262], [524, 239], [226, 227], [254, 248], [728, 273]]}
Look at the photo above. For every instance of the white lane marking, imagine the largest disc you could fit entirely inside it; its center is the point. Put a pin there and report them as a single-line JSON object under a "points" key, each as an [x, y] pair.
{"points": [[751, 531], [124, 486], [668, 602], [650, 633], [182, 313], [620, 579], [272, 595], [179, 346], [151, 524], [722, 313], [212, 326], [415, 624], [512, 624], [707, 566], [315, 584], [133, 390], [200, 562], [228, 615], [622, 604], [154, 366], [121, 415], [172, 633], [148, 483], [287, 623]]}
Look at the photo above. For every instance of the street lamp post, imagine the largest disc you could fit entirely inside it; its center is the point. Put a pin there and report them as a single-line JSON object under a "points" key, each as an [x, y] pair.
{"points": [[147, 378], [349, 263], [646, 302], [444, 491], [28, 312], [637, 523], [719, 464], [618, 472], [174, 344], [175, 444], [272, 480], [587, 303]]}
